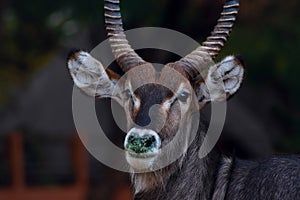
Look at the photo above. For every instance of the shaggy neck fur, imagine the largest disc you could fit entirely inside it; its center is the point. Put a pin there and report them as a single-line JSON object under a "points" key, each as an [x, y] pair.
{"points": [[188, 178]]}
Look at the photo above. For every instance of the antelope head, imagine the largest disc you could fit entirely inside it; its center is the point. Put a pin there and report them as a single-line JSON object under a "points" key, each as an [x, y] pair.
{"points": [[159, 103]]}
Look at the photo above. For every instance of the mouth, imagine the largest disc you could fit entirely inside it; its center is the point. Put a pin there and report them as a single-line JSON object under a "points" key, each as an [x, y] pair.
{"points": [[141, 161], [149, 154]]}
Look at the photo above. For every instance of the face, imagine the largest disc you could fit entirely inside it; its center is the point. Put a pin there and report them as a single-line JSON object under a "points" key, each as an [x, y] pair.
{"points": [[156, 107]]}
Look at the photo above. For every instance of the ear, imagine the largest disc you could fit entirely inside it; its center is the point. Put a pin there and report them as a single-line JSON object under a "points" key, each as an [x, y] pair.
{"points": [[222, 81], [90, 76]]}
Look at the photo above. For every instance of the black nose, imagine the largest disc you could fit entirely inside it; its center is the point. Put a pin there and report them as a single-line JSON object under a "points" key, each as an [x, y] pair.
{"points": [[140, 144]]}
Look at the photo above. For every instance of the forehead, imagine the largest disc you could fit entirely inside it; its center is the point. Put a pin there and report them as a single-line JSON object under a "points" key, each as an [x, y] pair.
{"points": [[154, 93], [167, 79]]}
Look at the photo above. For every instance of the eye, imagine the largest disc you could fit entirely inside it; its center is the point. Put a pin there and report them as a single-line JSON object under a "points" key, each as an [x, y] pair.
{"points": [[127, 94], [183, 97]]}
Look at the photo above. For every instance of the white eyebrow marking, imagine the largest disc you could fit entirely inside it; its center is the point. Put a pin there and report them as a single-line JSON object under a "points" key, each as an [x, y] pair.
{"points": [[180, 89], [136, 101], [166, 104]]}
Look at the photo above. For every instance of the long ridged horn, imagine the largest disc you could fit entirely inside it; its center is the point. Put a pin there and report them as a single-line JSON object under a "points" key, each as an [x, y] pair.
{"points": [[214, 43], [125, 56]]}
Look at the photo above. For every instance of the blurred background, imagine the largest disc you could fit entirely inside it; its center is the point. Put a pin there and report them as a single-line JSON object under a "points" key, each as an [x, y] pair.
{"points": [[40, 154]]}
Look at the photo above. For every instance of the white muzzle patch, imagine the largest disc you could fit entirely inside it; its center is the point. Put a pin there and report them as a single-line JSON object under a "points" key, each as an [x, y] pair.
{"points": [[142, 147]]}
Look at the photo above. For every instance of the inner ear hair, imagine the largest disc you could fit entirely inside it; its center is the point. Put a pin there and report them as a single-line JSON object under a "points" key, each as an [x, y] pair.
{"points": [[230, 71], [90, 76]]}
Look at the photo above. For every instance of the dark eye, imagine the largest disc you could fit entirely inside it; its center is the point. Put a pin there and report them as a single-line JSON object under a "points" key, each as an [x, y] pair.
{"points": [[183, 97], [127, 94]]}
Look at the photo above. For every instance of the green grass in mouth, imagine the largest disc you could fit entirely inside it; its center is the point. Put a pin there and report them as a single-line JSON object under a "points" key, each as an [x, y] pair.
{"points": [[139, 144]]}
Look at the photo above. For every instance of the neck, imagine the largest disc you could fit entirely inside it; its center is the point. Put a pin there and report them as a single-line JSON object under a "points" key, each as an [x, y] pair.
{"points": [[188, 178]]}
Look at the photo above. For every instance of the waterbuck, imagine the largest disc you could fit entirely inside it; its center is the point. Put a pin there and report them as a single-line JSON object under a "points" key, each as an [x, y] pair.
{"points": [[161, 104]]}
